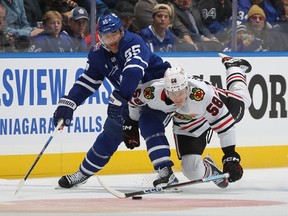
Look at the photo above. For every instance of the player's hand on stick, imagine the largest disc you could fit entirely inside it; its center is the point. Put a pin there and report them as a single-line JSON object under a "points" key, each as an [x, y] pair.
{"points": [[64, 111], [231, 165], [117, 106], [131, 134]]}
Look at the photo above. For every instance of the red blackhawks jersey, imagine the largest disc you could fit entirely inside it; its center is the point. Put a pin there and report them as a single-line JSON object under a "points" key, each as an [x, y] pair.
{"points": [[206, 107]]}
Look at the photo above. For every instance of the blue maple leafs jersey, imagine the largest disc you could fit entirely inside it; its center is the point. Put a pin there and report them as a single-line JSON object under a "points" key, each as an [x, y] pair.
{"points": [[157, 44], [134, 63], [46, 43]]}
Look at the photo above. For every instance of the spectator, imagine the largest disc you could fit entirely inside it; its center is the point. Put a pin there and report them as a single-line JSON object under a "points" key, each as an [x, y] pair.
{"points": [[101, 8], [215, 16], [191, 19], [258, 27], [282, 8], [5, 46], [52, 39], [86, 4], [143, 13], [88, 39], [144, 9], [77, 25], [245, 42], [270, 12], [33, 12], [125, 11], [112, 3], [2, 16], [143, 18], [17, 24], [62, 6], [157, 36]]}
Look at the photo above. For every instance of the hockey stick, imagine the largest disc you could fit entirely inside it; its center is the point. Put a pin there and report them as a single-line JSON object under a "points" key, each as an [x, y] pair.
{"points": [[21, 183], [158, 189]]}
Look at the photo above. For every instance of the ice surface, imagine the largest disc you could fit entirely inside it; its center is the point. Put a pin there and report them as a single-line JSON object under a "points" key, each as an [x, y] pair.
{"points": [[262, 192]]}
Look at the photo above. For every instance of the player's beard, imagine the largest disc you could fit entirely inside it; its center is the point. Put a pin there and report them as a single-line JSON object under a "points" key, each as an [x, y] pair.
{"points": [[113, 47]]}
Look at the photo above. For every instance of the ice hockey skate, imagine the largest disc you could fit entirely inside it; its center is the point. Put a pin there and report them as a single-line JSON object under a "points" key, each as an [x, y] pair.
{"points": [[214, 170], [229, 61], [74, 180], [165, 177]]}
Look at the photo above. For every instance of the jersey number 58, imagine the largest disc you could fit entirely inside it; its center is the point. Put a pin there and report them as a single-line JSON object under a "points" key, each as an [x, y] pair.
{"points": [[214, 106]]}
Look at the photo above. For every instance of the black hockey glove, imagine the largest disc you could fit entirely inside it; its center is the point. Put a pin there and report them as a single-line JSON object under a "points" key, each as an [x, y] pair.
{"points": [[64, 111], [117, 107], [131, 134], [231, 165]]}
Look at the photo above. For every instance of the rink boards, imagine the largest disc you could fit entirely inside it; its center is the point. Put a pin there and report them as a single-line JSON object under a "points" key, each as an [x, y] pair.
{"points": [[137, 161], [31, 86]]}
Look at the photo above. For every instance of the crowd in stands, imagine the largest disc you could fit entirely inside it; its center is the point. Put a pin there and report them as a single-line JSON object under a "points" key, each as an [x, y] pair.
{"points": [[165, 25]]}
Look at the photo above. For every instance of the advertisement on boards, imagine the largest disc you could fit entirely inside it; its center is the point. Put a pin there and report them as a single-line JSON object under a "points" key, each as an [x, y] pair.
{"points": [[31, 87]]}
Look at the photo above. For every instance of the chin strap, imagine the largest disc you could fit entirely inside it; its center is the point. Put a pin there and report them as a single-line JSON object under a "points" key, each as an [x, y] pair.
{"points": [[104, 45]]}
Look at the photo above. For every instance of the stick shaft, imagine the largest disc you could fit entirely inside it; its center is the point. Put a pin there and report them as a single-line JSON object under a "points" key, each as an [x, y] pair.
{"points": [[158, 189], [21, 183], [181, 184]]}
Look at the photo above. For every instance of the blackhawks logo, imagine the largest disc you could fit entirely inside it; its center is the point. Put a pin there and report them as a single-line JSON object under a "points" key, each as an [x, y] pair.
{"points": [[197, 94], [149, 92]]}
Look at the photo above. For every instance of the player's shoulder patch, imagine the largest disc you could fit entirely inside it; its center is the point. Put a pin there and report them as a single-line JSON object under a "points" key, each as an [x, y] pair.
{"points": [[197, 94], [148, 92]]}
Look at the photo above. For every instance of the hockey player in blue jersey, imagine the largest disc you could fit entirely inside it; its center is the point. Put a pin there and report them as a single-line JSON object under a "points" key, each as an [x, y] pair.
{"points": [[125, 60]]}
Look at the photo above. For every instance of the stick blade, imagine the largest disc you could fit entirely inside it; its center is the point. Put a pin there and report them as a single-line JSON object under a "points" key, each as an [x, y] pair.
{"points": [[20, 185], [111, 190]]}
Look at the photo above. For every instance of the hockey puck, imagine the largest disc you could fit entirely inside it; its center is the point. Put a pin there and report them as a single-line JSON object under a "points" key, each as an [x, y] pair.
{"points": [[137, 197]]}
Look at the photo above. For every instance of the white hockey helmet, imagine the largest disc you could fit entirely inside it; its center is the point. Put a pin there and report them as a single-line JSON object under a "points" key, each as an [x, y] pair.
{"points": [[175, 79]]}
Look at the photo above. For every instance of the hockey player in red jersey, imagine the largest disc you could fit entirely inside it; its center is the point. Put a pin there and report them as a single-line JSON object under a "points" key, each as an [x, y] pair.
{"points": [[197, 108]]}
